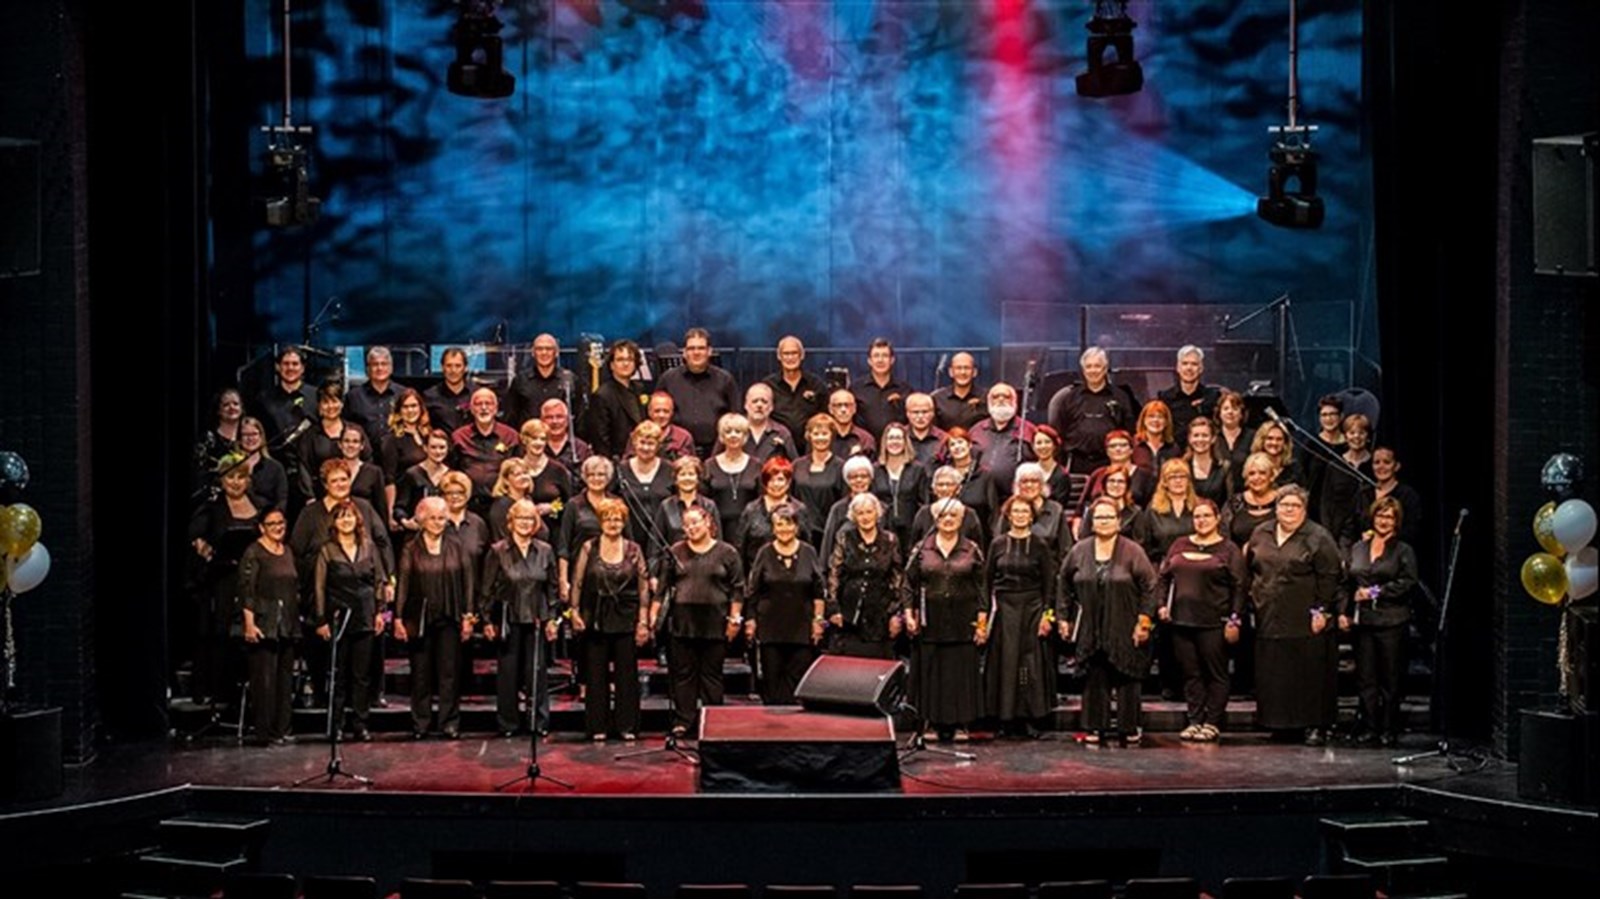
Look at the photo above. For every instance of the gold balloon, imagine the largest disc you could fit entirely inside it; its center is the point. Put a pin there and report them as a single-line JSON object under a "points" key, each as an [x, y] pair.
{"points": [[1544, 532], [20, 527], [1544, 578]]}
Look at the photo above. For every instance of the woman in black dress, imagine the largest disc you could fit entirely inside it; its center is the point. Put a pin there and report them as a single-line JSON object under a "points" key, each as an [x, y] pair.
{"points": [[946, 485], [552, 483], [784, 598], [643, 481], [1383, 571], [686, 471], [580, 520], [366, 479], [220, 532], [1047, 450], [1203, 579], [1253, 506], [1340, 490], [702, 584], [866, 584], [1234, 437], [755, 523], [899, 481], [434, 613], [421, 480], [1208, 467], [405, 444], [1106, 600], [819, 475], [269, 481], [461, 523], [518, 600], [1295, 575], [1273, 440], [349, 590], [857, 481], [1020, 578], [321, 442], [612, 616], [948, 616], [732, 476], [979, 493], [269, 596]]}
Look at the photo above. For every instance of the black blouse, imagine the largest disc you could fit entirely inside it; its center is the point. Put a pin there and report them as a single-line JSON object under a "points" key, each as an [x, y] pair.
{"points": [[866, 582], [781, 594], [518, 588], [1155, 531], [608, 593], [269, 587], [1104, 600], [731, 491], [818, 490], [434, 587], [902, 496], [342, 583], [399, 452], [579, 523], [701, 588], [1394, 574], [1021, 565], [1205, 585], [643, 499], [947, 591], [755, 526], [1288, 582]]}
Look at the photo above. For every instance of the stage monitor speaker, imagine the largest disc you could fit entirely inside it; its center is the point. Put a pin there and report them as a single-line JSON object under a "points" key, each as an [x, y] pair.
{"points": [[1583, 658], [19, 208], [30, 754], [852, 684], [1564, 189], [1554, 760]]}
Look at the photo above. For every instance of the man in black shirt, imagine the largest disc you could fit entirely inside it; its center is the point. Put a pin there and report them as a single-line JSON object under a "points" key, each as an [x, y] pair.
{"points": [[880, 397], [1083, 414], [1189, 398], [561, 444], [370, 403], [450, 401], [926, 439], [960, 403], [767, 438], [797, 395], [289, 402], [619, 404], [1004, 438], [544, 380], [701, 391], [849, 439]]}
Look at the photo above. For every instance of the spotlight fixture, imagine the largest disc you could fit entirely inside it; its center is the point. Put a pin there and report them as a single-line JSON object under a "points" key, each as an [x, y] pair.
{"points": [[289, 201], [1294, 162], [1111, 30], [479, 67]]}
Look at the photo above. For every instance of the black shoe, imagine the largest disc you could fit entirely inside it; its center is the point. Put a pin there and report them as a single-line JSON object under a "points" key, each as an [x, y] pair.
{"points": [[1315, 737], [451, 734], [360, 734], [508, 732], [418, 735]]}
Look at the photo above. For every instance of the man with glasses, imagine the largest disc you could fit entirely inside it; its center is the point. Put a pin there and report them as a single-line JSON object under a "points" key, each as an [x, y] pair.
{"points": [[849, 439], [480, 447], [543, 380], [368, 404], [702, 392], [797, 395], [961, 403], [880, 397]]}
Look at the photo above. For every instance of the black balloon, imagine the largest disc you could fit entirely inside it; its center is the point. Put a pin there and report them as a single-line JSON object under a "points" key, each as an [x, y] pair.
{"points": [[1561, 474], [13, 471]]}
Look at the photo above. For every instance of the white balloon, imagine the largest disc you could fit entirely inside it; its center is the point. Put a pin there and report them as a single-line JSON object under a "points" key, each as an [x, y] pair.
{"points": [[1573, 523], [1583, 572], [29, 572]]}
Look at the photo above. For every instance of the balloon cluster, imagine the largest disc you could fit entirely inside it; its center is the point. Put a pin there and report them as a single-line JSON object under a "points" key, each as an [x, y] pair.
{"points": [[1568, 567], [27, 561]]}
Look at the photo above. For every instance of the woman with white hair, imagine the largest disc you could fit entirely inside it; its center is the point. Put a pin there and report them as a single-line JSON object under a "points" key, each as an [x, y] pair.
{"points": [[784, 607], [857, 481], [866, 583], [1049, 517], [1019, 579], [434, 612], [948, 616]]}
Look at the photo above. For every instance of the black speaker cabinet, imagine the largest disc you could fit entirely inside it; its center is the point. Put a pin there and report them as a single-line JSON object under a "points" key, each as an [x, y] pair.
{"points": [[1564, 205], [19, 208], [1554, 763], [30, 754], [851, 684]]}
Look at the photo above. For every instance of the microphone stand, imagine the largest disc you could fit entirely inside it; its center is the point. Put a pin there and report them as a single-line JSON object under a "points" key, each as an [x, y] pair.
{"points": [[670, 744], [533, 773], [1314, 446], [335, 767]]}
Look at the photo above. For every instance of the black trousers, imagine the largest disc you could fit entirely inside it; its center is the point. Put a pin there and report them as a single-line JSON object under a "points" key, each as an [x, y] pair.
{"points": [[354, 678], [610, 661], [1380, 666], [695, 666], [782, 666], [1101, 679], [435, 664], [521, 666], [1202, 656], [271, 665]]}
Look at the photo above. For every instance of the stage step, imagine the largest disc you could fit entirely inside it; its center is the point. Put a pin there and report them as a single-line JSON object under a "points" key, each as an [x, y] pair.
{"points": [[197, 852], [1394, 849]]}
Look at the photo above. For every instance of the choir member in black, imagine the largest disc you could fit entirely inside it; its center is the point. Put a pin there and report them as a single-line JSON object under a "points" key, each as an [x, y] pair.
{"points": [[686, 495], [1020, 569], [612, 616], [857, 480], [514, 484], [1234, 437], [466, 526], [543, 380], [643, 481], [946, 485], [448, 404], [979, 493], [315, 523], [1152, 440], [1341, 490], [900, 481], [961, 404], [732, 477], [1386, 471], [767, 438], [948, 615], [797, 395], [366, 479], [269, 482], [880, 397], [284, 406], [927, 441], [370, 403], [1119, 450], [1083, 414], [1295, 573], [702, 584], [480, 447], [434, 615], [405, 444], [1273, 440], [1203, 583], [1382, 571], [675, 440], [1114, 488], [848, 438], [518, 601], [866, 584], [350, 588], [321, 443], [1330, 419], [1208, 468], [618, 407], [1046, 451], [819, 475], [562, 445], [1106, 599], [220, 532], [269, 597], [1049, 519], [1003, 440], [552, 483], [223, 435], [783, 593], [755, 523], [580, 520], [703, 393], [1255, 504], [1170, 514], [1189, 398], [421, 480]]}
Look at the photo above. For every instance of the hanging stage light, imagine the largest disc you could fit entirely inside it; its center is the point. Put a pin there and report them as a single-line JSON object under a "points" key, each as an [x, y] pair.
{"points": [[1111, 30], [479, 67], [288, 198], [1293, 161]]}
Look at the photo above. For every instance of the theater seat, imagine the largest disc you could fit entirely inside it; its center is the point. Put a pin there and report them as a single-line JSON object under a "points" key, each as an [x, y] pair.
{"points": [[1094, 887], [438, 887], [533, 889], [1258, 888], [259, 884], [992, 890], [713, 890], [339, 887], [1161, 887], [1316, 887], [602, 889]]}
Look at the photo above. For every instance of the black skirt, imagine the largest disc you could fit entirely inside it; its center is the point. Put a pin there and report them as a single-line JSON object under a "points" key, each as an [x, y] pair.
{"points": [[944, 683], [1020, 682], [1297, 682]]}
